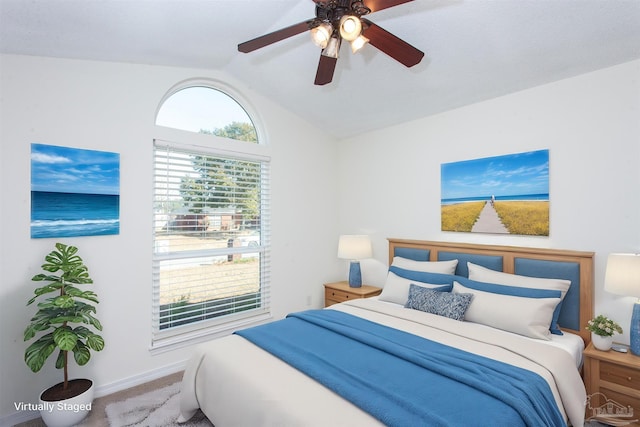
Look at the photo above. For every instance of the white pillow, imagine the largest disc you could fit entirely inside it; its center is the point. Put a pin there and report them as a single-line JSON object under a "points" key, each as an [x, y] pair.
{"points": [[530, 317], [443, 267], [396, 288], [482, 274]]}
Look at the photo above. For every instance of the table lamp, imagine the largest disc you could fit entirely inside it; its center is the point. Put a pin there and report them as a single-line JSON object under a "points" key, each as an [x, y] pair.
{"points": [[622, 277], [354, 248]]}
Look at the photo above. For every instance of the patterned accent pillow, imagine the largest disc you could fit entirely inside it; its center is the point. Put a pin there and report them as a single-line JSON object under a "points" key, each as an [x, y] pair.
{"points": [[432, 301]]}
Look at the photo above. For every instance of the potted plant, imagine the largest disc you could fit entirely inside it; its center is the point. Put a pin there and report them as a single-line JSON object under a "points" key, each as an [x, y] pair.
{"points": [[602, 329], [59, 322]]}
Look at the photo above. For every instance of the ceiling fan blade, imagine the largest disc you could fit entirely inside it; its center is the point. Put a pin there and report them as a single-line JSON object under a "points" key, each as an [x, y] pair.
{"points": [[326, 67], [376, 5], [276, 36], [396, 48]]}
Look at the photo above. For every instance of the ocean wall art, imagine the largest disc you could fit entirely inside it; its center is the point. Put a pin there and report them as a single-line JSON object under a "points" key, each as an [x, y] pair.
{"points": [[74, 192]]}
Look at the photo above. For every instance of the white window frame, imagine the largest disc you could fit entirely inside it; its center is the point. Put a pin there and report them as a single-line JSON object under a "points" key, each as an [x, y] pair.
{"points": [[211, 145]]}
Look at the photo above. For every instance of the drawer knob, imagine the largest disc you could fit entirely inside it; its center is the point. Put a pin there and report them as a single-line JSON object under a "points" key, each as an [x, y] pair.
{"points": [[628, 378], [333, 294]]}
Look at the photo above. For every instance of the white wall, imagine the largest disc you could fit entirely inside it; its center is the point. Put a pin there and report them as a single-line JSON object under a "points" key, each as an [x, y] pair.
{"points": [[591, 126], [111, 107], [386, 184]]}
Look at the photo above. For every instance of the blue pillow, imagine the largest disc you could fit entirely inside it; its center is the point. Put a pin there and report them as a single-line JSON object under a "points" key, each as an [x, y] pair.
{"points": [[519, 292], [437, 301], [425, 277]]}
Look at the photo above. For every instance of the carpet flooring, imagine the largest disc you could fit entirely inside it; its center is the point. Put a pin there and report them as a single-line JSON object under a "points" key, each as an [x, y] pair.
{"points": [[115, 402]]}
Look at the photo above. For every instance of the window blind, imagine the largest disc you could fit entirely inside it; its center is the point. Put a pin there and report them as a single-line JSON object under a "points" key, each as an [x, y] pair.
{"points": [[211, 239]]}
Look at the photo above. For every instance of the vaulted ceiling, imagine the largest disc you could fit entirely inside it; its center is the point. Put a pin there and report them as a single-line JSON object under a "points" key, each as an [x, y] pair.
{"points": [[474, 49]]}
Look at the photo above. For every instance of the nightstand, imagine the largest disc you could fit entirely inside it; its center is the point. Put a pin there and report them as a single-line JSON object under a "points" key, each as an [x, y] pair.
{"points": [[341, 291], [616, 376]]}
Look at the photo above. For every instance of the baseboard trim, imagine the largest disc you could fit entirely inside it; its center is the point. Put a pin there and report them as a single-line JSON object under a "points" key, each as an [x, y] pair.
{"points": [[138, 379], [18, 417], [114, 387]]}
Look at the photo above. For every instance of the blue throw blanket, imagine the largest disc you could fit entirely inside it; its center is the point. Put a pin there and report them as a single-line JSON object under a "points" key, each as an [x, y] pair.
{"points": [[405, 380]]}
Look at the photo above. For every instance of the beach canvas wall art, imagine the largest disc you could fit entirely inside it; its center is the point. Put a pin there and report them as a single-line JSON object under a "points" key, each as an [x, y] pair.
{"points": [[74, 192], [501, 195]]}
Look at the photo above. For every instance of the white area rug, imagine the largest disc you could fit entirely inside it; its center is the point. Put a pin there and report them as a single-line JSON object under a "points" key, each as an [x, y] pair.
{"points": [[158, 408]]}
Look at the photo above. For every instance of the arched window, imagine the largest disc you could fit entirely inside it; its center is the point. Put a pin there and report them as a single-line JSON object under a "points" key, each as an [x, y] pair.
{"points": [[206, 110], [211, 218]]}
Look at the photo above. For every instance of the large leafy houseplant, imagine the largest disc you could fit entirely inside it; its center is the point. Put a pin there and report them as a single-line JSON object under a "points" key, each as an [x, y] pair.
{"points": [[58, 314]]}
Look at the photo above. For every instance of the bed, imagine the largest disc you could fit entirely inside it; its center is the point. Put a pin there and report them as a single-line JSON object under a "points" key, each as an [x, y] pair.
{"points": [[462, 334]]}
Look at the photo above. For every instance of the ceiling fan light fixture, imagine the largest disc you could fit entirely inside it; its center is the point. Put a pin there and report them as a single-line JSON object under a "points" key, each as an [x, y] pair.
{"points": [[359, 43], [342, 19], [350, 27], [333, 47], [321, 34]]}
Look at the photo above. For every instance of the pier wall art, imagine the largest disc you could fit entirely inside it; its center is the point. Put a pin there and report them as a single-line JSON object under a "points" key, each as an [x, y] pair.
{"points": [[506, 194], [74, 192]]}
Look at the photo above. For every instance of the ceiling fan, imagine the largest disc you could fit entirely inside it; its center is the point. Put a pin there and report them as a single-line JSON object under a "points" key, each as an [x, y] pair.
{"points": [[338, 20]]}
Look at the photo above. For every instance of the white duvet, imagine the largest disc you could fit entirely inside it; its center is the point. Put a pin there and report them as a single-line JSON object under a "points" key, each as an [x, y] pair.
{"points": [[235, 383]]}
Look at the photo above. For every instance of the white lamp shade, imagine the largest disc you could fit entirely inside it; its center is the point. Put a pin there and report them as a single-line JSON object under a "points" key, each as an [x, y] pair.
{"points": [[358, 43], [321, 34], [622, 276], [354, 247], [350, 27], [333, 47]]}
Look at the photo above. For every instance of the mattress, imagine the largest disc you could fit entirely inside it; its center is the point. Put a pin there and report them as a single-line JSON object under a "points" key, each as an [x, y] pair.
{"points": [[235, 383]]}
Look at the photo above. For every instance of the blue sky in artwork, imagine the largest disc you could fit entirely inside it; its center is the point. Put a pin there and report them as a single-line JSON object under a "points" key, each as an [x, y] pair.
{"points": [[73, 170], [510, 175]]}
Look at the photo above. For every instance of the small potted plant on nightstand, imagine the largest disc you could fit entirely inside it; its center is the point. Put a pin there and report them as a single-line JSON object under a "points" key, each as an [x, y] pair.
{"points": [[602, 329], [68, 402]]}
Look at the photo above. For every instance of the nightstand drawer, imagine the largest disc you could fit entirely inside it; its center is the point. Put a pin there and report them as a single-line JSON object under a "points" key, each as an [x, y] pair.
{"points": [[618, 374], [337, 295], [337, 292], [621, 399]]}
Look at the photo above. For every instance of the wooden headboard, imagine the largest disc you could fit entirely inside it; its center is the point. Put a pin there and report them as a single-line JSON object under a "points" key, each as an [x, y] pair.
{"points": [[576, 266]]}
